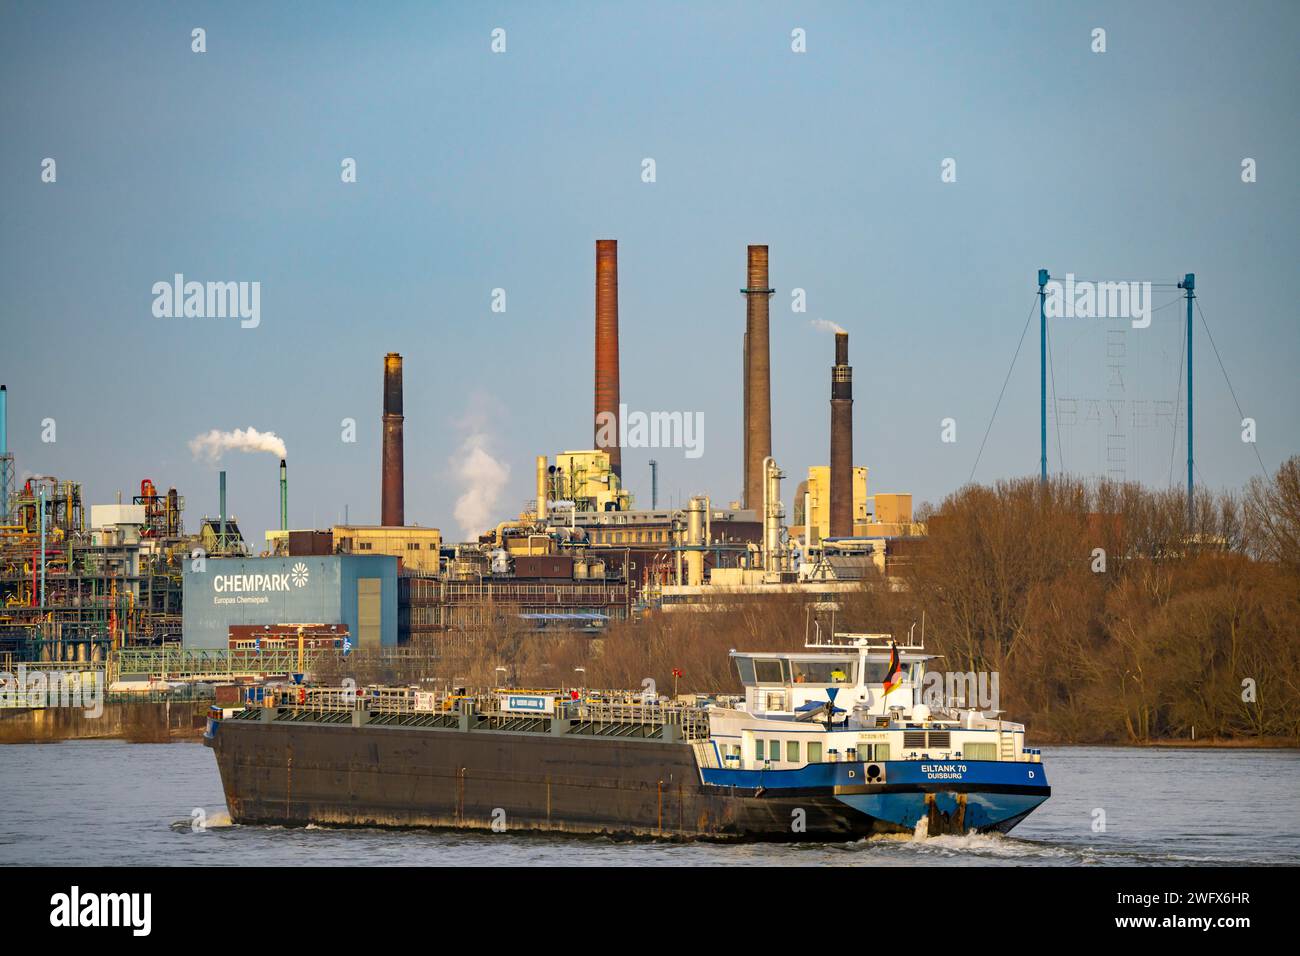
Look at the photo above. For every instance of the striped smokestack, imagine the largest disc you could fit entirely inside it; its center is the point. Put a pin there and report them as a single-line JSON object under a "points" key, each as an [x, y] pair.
{"points": [[841, 504], [758, 384], [392, 480], [607, 438]]}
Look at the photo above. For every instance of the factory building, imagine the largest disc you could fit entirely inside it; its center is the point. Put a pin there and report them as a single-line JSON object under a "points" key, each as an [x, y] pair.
{"points": [[581, 481], [547, 595], [417, 549], [582, 510], [812, 504], [892, 517], [356, 594], [874, 516], [221, 537], [70, 590], [580, 552]]}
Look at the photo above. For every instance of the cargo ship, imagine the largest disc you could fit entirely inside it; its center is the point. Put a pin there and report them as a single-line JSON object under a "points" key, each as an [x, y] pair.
{"points": [[834, 743]]}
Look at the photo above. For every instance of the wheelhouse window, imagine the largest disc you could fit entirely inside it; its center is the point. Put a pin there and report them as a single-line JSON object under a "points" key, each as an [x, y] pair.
{"points": [[877, 671], [823, 672], [745, 667], [769, 672]]}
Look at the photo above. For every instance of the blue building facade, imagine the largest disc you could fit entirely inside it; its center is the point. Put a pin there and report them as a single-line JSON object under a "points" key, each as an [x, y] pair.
{"points": [[356, 591]]}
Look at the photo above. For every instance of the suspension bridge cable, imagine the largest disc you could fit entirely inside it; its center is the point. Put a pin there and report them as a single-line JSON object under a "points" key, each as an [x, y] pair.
{"points": [[998, 405]]}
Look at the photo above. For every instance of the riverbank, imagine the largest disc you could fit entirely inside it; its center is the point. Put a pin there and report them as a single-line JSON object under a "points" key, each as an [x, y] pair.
{"points": [[1224, 743], [161, 721]]}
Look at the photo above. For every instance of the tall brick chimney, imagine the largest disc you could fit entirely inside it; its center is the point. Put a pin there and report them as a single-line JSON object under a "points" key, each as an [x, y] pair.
{"points": [[758, 382], [841, 503], [607, 397], [392, 481]]}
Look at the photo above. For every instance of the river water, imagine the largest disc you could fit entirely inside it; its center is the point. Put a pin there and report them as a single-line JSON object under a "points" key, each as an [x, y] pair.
{"points": [[115, 803]]}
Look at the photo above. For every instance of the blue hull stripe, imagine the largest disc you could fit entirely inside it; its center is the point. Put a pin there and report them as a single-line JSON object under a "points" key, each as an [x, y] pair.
{"points": [[961, 775]]}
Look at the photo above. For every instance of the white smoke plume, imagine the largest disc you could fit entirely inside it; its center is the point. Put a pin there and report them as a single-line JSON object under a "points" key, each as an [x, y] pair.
{"points": [[216, 443], [483, 479], [825, 325]]}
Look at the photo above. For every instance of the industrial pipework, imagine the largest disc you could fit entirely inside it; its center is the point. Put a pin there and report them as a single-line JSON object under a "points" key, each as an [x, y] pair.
{"points": [[841, 477], [758, 385], [607, 392], [774, 558], [695, 540], [392, 479]]}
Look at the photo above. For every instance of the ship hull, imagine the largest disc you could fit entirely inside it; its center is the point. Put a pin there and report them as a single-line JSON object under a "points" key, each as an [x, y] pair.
{"points": [[296, 774]]}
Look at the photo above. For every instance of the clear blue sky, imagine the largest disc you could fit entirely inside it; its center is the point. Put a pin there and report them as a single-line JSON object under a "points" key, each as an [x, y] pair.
{"points": [[478, 171]]}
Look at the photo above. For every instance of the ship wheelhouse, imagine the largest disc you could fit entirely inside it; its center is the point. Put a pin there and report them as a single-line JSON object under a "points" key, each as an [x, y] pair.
{"points": [[850, 673], [848, 697]]}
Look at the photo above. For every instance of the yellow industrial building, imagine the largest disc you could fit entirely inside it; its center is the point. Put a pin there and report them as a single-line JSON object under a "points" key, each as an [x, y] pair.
{"points": [[814, 497], [418, 548], [882, 515], [584, 478]]}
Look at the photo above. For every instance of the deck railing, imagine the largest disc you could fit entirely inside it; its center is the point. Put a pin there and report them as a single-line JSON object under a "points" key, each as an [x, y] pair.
{"points": [[599, 715]]}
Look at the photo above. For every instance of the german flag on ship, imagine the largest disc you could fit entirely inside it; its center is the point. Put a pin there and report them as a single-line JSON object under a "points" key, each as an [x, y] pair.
{"points": [[894, 676]]}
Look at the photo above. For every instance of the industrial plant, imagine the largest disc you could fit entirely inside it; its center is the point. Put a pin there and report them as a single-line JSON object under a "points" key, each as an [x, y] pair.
{"points": [[78, 583]]}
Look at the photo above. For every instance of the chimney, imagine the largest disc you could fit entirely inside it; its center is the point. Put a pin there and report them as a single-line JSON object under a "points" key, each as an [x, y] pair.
{"points": [[542, 464], [6, 464], [221, 507], [284, 496], [392, 480], [744, 423], [758, 384], [841, 504], [607, 353]]}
